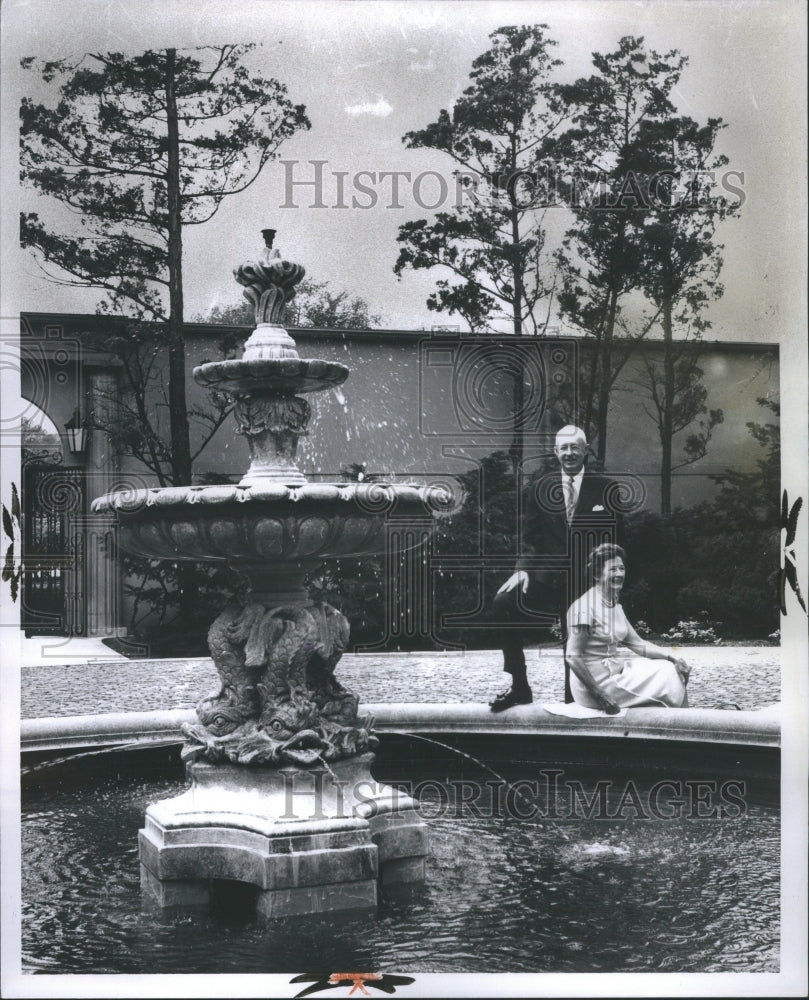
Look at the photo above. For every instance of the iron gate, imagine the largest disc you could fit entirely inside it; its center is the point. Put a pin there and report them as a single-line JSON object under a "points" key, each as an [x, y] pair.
{"points": [[53, 593]]}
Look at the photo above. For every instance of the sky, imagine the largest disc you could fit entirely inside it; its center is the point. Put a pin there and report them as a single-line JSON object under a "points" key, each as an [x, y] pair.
{"points": [[370, 71]]}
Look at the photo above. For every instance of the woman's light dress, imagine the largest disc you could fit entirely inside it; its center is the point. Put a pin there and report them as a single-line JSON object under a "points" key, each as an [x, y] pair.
{"points": [[626, 678]]}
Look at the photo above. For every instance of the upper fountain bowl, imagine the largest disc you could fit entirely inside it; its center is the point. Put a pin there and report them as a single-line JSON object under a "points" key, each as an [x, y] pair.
{"points": [[283, 375]]}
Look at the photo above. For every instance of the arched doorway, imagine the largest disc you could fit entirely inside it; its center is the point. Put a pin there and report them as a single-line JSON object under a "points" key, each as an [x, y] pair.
{"points": [[53, 508], [70, 581]]}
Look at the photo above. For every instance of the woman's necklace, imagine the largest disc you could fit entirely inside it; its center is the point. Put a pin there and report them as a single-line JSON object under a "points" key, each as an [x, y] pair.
{"points": [[609, 601]]}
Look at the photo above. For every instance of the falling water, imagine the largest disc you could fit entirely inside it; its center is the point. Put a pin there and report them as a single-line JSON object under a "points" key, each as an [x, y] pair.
{"points": [[69, 758], [491, 770]]}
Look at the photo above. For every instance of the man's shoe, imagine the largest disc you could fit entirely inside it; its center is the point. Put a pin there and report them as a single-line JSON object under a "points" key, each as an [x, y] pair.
{"points": [[510, 698]]}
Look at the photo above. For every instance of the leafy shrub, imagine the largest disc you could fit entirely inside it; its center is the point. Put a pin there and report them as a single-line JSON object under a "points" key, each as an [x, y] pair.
{"points": [[746, 609], [693, 630], [695, 560], [158, 618]]}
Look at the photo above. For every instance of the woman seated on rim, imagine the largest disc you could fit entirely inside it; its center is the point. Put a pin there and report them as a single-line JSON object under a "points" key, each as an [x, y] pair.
{"points": [[602, 676]]}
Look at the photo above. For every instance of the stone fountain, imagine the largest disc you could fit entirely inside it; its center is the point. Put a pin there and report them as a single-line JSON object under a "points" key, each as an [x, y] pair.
{"points": [[281, 793]]}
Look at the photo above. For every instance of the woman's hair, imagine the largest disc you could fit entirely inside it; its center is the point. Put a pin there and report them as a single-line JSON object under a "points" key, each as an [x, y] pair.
{"points": [[602, 554]]}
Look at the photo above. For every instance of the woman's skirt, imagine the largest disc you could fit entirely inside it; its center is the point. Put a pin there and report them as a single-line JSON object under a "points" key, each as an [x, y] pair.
{"points": [[631, 681]]}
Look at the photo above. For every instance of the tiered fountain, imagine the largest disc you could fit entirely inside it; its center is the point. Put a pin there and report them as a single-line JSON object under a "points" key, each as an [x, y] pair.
{"points": [[281, 794]]}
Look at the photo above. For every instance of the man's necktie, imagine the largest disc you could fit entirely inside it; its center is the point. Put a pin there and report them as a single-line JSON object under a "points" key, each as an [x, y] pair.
{"points": [[570, 497]]}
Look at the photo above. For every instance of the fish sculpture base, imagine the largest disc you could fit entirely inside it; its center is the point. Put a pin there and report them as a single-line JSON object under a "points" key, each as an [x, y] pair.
{"points": [[305, 838], [279, 701]]}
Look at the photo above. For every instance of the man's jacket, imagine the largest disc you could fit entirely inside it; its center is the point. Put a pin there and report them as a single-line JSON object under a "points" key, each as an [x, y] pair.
{"points": [[548, 541]]}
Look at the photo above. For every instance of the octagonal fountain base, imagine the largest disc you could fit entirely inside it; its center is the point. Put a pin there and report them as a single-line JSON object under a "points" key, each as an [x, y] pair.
{"points": [[310, 839]]}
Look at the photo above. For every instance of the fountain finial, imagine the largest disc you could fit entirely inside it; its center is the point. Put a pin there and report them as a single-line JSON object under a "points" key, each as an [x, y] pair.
{"points": [[268, 255], [269, 284]]}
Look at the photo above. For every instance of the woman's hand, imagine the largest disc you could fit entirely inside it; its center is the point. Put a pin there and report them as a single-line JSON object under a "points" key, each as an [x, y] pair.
{"points": [[606, 704], [682, 668]]}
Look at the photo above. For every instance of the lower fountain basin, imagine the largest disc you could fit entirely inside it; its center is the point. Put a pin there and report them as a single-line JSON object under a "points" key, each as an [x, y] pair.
{"points": [[572, 889], [267, 520]]}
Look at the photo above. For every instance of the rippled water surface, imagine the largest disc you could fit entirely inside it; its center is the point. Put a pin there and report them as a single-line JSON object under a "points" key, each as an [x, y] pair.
{"points": [[501, 894]]}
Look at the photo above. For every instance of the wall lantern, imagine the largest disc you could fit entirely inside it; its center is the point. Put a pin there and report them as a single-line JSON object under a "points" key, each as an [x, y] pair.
{"points": [[76, 434]]}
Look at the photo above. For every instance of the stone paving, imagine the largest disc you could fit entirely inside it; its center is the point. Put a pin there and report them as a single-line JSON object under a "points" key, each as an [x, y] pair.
{"points": [[722, 677]]}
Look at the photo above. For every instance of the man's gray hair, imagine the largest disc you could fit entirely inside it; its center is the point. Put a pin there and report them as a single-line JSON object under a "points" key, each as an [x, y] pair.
{"points": [[571, 431]]}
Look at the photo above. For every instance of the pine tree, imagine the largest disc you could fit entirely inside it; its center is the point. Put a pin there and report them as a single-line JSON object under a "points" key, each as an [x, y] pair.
{"points": [[492, 242], [141, 147], [618, 139]]}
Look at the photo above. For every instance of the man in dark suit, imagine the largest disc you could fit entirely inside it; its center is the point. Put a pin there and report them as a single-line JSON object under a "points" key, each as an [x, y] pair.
{"points": [[565, 514]]}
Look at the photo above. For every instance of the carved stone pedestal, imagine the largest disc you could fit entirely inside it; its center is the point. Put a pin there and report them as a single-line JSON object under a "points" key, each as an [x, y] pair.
{"points": [[309, 839]]}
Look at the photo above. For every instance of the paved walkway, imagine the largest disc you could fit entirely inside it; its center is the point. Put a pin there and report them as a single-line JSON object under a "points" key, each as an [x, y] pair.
{"points": [[723, 677], [44, 650]]}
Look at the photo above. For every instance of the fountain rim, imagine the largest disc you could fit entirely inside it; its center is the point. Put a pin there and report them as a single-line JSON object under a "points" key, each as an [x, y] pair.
{"points": [[754, 729], [372, 498]]}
